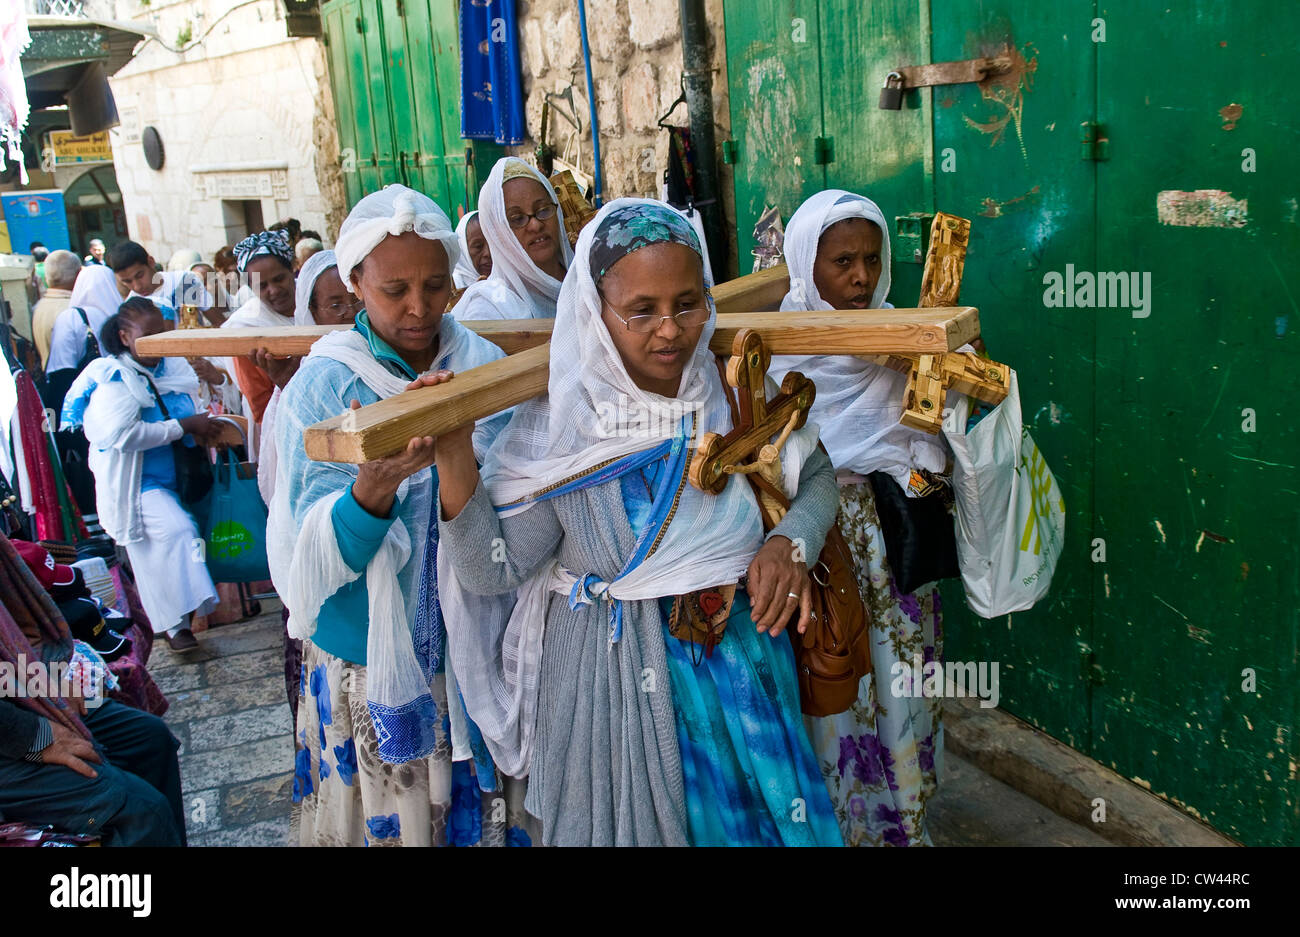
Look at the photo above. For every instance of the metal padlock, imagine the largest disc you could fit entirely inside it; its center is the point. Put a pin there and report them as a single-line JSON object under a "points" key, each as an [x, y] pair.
{"points": [[891, 95]]}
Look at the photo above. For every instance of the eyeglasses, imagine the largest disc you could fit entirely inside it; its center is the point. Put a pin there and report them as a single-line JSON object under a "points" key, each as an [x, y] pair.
{"points": [[686, 319], [344, 309], [520, 219]]}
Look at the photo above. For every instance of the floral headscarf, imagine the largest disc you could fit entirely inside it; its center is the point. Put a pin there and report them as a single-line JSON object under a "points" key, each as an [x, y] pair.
{"points": [[633, 227]]}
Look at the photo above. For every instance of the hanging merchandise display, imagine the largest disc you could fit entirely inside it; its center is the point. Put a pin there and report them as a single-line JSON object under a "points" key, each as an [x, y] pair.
{"points": [[492, 99]]}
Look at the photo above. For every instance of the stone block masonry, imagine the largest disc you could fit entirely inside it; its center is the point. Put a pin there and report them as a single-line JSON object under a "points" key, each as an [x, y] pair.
{"points": [[636, 65]]}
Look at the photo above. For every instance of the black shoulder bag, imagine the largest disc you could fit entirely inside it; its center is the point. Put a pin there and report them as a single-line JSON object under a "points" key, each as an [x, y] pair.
{"points": [[194, 474], [920, 540], [58, 382]]}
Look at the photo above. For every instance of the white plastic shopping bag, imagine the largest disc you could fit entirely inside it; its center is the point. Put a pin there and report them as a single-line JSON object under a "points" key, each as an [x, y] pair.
{"points": [[1010, 513]]}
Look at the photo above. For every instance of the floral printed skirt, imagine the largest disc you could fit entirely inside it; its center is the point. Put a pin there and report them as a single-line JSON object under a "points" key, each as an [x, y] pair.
{"points": [[879, 757], [346, 795]]}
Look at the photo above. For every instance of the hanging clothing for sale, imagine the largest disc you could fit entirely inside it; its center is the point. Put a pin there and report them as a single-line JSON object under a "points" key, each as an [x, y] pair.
{"points": [[492, 99], [680, 174]]}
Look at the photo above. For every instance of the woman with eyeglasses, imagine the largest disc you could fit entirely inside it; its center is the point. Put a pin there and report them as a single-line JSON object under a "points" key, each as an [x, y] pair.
{"points": [[634, 724], [524, 226]]}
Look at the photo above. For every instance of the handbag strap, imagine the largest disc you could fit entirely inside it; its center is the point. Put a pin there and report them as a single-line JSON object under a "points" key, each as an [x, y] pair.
{"points": [[92, 340], [157, 396]]}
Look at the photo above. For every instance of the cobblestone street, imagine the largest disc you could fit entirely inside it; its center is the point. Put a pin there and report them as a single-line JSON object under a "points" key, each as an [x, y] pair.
{"points": [[229, 710]]}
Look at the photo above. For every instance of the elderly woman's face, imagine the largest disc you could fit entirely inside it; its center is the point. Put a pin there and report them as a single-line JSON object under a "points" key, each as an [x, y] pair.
{"points": [[660, 280], [331, 303], [480, 255], [404, 284], [541, 239], [848, 268]]}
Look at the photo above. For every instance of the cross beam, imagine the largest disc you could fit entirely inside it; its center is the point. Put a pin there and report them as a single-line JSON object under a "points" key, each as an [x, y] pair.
{"points": [[384, 428], [758, 291]]}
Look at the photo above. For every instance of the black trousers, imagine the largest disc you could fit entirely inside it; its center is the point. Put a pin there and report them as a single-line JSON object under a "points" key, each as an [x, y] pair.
{"points": [[134, 801]]}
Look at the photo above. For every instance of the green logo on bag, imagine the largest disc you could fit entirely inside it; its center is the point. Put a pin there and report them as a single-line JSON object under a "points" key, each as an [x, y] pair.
{"points": [[230, 539]]}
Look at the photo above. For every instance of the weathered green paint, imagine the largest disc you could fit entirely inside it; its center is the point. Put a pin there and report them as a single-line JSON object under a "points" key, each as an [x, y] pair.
{"points": [[1018, 176], [395, 78], [884, 150], [63, 46], [1138, 660], [1200, 515], [774, 75]]}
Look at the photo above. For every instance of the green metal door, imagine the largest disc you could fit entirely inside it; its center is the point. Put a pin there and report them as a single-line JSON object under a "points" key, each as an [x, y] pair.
{"points": [[883, 153], [401, 102], [1008, 157], [774, 81], [1143, 139], [395, 75], [1196, 453]]}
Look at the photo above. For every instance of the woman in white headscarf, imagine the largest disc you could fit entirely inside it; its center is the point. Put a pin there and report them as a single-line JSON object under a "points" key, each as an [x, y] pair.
{"points": [[95, 295], [524, 226], [634, 727], [320, 299], [879, 756], [385, 753], [475, 259]]}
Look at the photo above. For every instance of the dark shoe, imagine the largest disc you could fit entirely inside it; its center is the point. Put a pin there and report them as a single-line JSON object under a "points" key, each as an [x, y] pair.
{"points": [[183, 641]]}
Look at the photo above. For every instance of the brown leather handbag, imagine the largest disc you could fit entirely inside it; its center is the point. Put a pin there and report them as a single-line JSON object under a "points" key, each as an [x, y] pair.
{"points": [[834, 654]]}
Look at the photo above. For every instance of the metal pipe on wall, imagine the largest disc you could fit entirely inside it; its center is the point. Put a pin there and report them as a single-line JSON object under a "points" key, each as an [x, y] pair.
{"points": [[697, 79]]}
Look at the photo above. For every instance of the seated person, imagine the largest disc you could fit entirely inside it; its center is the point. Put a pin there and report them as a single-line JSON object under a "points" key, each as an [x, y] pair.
{"points": [[109, 770]]}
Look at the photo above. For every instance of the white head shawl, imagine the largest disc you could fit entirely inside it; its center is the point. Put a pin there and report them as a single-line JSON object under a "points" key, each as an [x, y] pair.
{"points": [[267, 456], [710, 540], [516, 288], [393, 210], [465, 272], [96, 288], [858, 404], [311, 271]]}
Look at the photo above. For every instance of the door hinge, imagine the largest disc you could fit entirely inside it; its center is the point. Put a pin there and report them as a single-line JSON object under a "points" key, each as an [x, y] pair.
{"points": [[823, 150], [730, 152], [1093, 141], [1091, 671]]}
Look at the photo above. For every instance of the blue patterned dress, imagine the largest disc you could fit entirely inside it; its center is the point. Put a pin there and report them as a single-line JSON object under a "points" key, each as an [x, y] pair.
{"points": [[750, 774]]}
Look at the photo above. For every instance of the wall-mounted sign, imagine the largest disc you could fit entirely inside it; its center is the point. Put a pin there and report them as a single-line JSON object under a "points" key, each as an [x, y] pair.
{"points": [[70, 149], [244, 184]]}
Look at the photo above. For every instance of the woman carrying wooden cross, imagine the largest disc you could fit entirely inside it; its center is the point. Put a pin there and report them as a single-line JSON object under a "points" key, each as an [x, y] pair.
{"points": [[385, 754], [879, 756], [631, 735]]}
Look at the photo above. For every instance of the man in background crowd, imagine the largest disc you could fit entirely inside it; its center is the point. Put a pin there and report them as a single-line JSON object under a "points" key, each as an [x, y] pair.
{"points": [[97, 250], [61, 269]]}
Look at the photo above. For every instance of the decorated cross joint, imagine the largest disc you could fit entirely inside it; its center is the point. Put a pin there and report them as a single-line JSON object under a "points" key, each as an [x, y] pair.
{"points": [[930, 377], [747, 448]]}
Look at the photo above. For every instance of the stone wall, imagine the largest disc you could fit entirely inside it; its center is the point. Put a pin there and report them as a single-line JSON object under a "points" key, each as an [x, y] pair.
{"points": [[245, 114], [636, 65]]}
